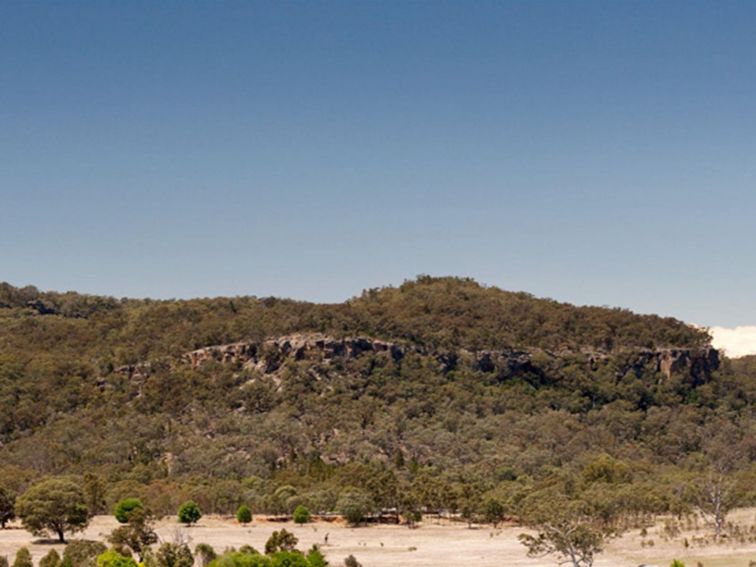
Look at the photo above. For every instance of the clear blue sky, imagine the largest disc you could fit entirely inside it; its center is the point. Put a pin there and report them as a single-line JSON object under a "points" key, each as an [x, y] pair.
{"points": [[593, 152]]}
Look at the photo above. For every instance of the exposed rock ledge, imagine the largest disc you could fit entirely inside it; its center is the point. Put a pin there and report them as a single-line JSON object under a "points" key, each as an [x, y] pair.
{"points": [[267, 356]]}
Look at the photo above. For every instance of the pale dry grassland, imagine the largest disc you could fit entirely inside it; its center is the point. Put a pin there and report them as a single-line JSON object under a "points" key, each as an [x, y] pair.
{"points": [[434, 543]]}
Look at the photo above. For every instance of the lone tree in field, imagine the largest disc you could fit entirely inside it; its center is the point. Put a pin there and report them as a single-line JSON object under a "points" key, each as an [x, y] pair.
{"points": [[301, 515], [715, 490], [715, 493], [244, 514], [189, 513], [567, 528], [54, 505]]}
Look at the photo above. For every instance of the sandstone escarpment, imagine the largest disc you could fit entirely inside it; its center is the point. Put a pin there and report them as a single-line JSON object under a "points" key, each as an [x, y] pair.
{"points": [[698, 364], [267, 356]]}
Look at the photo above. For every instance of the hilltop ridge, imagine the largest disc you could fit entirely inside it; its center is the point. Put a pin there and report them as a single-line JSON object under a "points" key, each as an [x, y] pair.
{"points": [[444, 312]]}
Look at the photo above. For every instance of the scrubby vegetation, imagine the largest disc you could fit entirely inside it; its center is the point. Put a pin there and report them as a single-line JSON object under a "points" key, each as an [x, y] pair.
{"points": [[280, 550], [95, 388]]}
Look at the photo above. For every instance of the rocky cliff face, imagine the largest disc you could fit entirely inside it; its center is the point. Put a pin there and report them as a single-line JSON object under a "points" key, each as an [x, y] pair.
{"points": [[270, 354], [698, 364], [695, 364]]}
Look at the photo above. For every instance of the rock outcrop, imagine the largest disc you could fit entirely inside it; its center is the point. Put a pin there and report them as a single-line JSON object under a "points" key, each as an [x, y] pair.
{"points": [[699, 364], [696, 364], [234, 352], [269, 355]]}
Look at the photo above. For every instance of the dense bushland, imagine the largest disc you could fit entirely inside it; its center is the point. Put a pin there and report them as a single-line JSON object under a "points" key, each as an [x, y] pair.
{"points": [[368, 436]]}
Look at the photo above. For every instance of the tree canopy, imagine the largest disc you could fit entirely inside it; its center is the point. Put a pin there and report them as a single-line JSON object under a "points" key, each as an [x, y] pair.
{"points": [[55, 505]]}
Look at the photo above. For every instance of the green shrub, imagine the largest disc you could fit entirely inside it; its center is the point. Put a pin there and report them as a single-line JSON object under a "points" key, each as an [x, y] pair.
{"points": [[83, 553], [23, 558], [493, 511], [189, 513], [315, 557], [246, 548], [111, 558], [288, 559], [52, 559], [677, 563], [239, 559], [244, 514], [281, 541], [205, 553], [125, 507], [412, 517], [354, 505], [301, 515], [137, 534], [174, 555]]}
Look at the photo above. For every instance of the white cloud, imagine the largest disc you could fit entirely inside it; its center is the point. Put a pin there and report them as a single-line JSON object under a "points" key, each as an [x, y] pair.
{"points": [[736, 342]]}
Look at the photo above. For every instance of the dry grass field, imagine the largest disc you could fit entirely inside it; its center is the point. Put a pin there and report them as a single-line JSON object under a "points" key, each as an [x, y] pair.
{"points": [[432, 544]]}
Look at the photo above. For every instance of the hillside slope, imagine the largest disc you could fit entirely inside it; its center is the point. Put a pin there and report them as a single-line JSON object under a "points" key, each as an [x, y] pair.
{"points": [[239, 398]]}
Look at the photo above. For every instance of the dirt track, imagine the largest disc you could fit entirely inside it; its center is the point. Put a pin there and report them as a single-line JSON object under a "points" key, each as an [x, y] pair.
{"points": [[431, 544]]}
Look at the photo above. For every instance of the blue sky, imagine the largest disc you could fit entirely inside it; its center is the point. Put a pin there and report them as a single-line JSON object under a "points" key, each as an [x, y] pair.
{"points": [[593, 152]]}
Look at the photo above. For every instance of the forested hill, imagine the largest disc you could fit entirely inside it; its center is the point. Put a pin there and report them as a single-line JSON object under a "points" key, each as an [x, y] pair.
{"points": [[451, 313], [287, 401]]}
